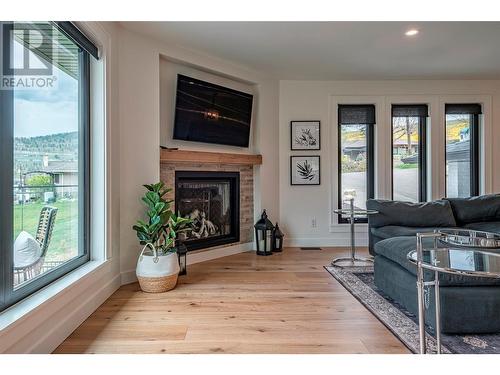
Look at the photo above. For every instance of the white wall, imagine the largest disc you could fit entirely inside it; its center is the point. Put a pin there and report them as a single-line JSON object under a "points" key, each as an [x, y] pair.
{"points": [[147, 72], [168, 84], [132, 104], [138, 72], [139, 135], [317, 100]]}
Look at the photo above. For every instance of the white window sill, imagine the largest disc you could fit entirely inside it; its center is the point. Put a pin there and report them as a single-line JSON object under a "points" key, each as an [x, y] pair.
{"points": [[44, 295]]}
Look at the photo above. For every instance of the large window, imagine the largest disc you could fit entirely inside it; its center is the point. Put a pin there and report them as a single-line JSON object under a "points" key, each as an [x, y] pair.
{"points": [[462, 149], [409, 152], [356, 154], [44, 142]]}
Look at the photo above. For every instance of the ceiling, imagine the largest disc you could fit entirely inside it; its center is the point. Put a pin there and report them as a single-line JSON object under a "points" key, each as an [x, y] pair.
{"points": [[343, 50]]}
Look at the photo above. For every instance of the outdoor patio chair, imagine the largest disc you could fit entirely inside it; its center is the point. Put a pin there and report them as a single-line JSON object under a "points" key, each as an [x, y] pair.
{"points": [[43, 236]]}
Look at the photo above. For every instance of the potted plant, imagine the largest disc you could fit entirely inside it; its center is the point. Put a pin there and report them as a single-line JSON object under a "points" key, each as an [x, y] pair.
{"points": [[158, 267]]}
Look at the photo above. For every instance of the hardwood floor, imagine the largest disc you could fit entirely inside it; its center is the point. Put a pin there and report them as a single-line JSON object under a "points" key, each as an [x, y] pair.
{"points": [[285, 303]]}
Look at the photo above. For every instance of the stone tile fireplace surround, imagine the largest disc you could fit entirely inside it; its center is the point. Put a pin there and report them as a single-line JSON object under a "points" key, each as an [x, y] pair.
{"points": [[168, 167]]}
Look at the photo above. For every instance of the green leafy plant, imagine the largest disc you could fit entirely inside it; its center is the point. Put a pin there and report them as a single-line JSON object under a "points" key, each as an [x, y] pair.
{"points": [[162, 226], [39, 180]]}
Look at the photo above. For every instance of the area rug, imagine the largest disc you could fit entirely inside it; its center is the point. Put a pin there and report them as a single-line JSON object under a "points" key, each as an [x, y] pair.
{"points": [[359, 281]]}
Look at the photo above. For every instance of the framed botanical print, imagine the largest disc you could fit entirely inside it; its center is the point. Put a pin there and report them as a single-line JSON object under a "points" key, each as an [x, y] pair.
{"points": [[305, 170], [305, 135]]}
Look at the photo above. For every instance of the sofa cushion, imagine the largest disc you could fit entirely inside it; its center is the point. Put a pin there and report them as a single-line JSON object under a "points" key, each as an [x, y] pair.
{"points": [[26, 250], [427, 214], [390, 231], [463, 310], [488, 226], [397, 248], [476, 209]]}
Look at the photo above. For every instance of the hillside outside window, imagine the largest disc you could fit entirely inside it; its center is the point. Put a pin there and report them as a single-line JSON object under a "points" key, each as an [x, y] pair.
{"points": [[44, 143]]}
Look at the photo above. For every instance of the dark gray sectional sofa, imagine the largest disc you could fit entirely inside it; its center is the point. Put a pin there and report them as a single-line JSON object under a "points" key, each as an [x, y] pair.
{"points": [[468, 305]]}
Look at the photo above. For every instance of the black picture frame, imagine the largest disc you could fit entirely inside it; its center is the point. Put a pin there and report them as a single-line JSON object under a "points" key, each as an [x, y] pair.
{"points": [[311, 123], [312, 182]]}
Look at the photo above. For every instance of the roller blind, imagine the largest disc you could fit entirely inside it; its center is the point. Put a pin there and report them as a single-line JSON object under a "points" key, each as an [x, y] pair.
{"points": [[356, 114], [410, 110], [65, 43], [73, 33], [463, 109]]}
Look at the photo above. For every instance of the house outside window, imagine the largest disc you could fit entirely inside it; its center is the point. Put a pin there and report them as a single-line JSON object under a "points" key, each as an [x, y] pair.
{"points": [[45, 153], [462, 149], [409, 151], [356, 154]]}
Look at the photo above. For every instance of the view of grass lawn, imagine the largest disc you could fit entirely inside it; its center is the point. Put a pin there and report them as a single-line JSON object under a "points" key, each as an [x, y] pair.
{"points": [[406, 166], [64, 242]]}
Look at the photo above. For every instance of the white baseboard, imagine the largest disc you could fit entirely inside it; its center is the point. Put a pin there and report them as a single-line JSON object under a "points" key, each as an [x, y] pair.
{"points": [[324, 242], [128, 277], [43, 328], [54, 337]]}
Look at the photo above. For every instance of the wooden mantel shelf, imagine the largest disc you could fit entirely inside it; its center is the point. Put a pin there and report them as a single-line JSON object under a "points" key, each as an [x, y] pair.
{"points": [[184, 156]]}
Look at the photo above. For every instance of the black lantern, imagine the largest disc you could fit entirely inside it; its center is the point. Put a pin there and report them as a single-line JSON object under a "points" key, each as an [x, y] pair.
{"points": [[181, 253], [277, 239], [264, 235]]}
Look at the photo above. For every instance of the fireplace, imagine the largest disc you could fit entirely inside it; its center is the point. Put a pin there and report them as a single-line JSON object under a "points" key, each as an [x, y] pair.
{"points": [[212, 201]]}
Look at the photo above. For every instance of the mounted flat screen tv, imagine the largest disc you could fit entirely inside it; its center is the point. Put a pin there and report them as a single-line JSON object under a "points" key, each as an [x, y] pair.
{"points": [[210, 113]]}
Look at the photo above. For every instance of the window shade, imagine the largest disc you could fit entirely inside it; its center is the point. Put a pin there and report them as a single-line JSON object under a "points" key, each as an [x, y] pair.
{"points": [[410, 110], [463, 109], [73, 33], [356, 114]]}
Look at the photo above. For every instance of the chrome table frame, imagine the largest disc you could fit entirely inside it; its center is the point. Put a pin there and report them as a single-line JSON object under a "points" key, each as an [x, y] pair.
{"points": [[352, 215], [421, 284], [470, 238]]}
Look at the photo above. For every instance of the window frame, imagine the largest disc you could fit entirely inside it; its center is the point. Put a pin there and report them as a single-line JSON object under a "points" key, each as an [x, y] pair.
{"points": [[475, 153], [9, 295], [6, 178], [422, 157], [370, 164]]}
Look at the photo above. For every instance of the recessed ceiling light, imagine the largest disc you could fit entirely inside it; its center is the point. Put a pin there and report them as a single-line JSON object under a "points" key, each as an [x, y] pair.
{"points": [[411, 32]]}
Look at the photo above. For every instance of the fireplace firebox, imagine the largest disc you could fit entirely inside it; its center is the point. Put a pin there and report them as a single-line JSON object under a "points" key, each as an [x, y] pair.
{"points": [[212, 201]]}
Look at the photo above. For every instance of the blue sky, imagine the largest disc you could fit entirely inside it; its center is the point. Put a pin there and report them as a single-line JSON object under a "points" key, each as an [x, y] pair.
{"points": [[45, 111]]}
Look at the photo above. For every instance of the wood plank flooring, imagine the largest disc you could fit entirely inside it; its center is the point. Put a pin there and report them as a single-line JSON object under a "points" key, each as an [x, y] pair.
{"points": [[285, 303]]}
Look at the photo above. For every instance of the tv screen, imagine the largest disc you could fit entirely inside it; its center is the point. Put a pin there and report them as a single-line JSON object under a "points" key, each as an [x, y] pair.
{"points": [[209, 113]]}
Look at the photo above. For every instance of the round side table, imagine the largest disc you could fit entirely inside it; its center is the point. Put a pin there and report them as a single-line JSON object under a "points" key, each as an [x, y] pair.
{"points": [[352, 214]]}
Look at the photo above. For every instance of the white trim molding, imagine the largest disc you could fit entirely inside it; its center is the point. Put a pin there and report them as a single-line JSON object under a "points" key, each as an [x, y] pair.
{"points": [[433, 132], [129, 276], [486, 139], [380, 141], [338, 241], [40, 322], [436, 139]]}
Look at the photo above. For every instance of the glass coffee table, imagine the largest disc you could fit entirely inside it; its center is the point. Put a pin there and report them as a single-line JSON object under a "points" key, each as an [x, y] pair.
{"points": [[464, 252]]}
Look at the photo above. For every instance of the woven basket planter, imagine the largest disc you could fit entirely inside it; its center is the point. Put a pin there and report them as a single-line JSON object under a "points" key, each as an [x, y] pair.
{"points": [[157, 273], [157, 284]]}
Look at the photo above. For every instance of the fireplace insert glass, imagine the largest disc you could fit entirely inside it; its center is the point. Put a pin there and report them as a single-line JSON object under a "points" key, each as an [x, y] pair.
{"points": [[211, 200]]}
